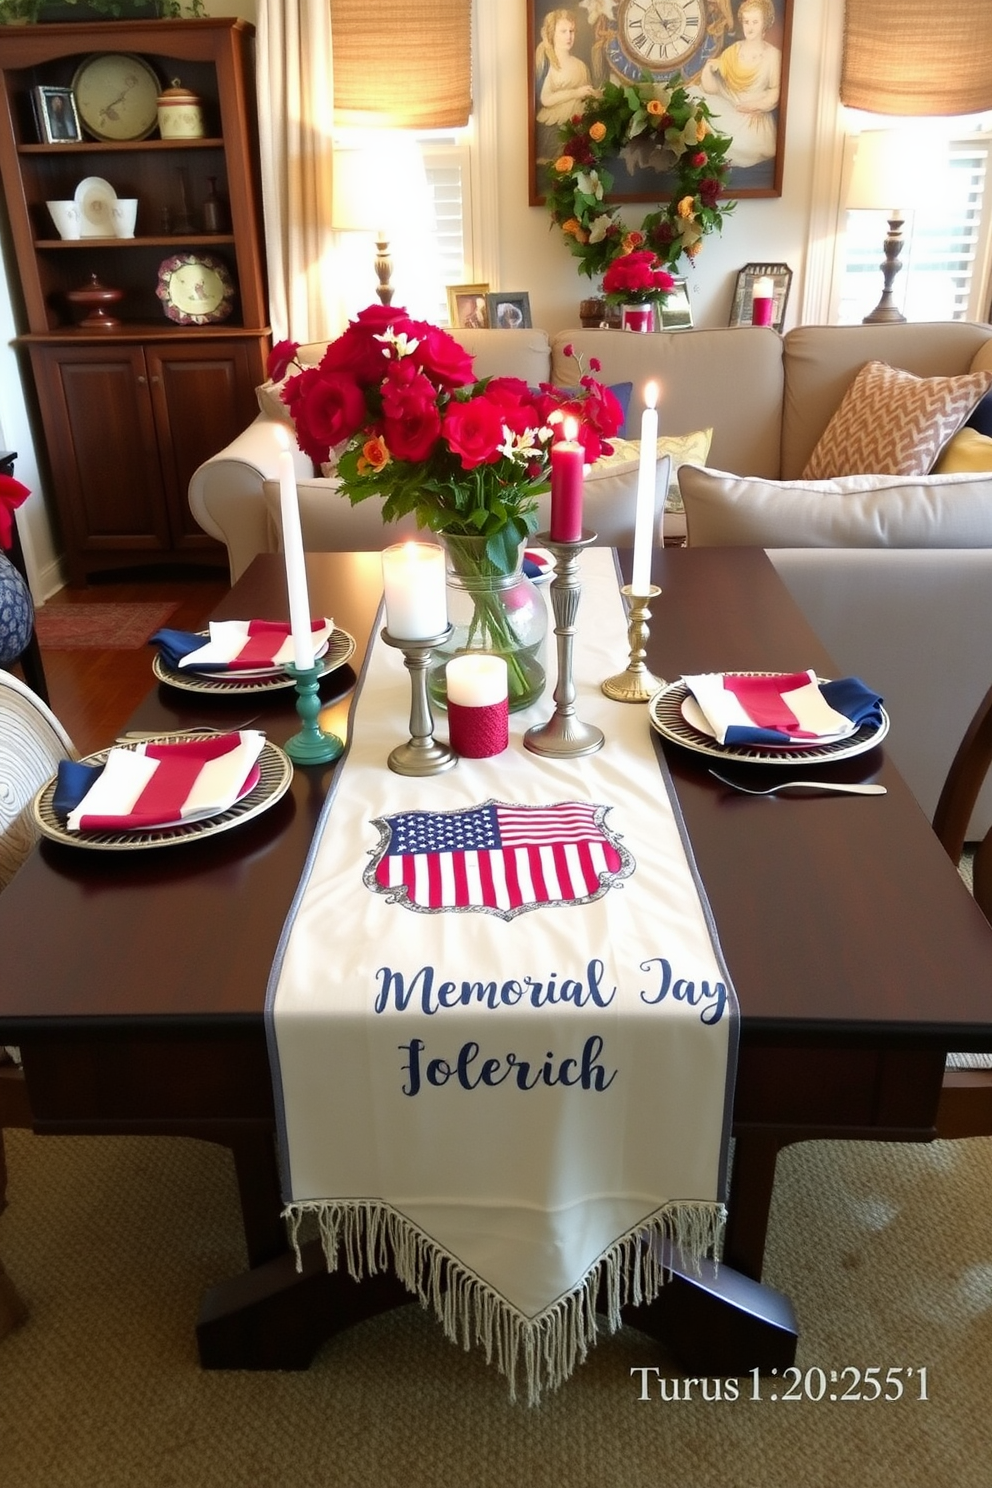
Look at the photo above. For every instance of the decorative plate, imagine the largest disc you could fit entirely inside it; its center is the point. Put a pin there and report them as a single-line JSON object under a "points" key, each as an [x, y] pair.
{"points": [[116, 96], [95, 199], [666, 716], [195, 289], [275, 771], [340, 648]]}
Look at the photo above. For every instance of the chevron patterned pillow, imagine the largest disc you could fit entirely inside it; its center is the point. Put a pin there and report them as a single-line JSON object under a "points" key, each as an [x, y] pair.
{"points": [[892, 423]]}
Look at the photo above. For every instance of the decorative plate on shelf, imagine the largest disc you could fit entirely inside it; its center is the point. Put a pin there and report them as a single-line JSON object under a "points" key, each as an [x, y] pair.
{"points": [[195, 289], [116, 96], [275, 773], [95, 199]]}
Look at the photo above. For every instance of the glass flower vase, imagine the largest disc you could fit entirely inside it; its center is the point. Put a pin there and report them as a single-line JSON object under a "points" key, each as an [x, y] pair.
{"points": [[492, 610]]}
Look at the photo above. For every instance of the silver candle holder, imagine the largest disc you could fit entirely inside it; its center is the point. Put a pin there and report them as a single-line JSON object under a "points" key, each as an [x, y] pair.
{"points": [[636, 684], [422, 754], [565, 736]]}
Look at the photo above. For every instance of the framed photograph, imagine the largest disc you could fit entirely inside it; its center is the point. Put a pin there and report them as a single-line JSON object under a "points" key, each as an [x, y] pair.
{"points": [[734, 54], [509, 310], [56, 116], [467, 309], [676, 312], [781, 276]]}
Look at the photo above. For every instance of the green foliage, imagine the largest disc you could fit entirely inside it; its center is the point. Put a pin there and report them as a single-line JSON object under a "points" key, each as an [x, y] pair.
{"points": [[664, 122]]}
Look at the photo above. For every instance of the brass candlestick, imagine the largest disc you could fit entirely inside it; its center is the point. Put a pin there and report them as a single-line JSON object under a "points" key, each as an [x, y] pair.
{"points": [[422, 754], [564, 735], [636, 684]]}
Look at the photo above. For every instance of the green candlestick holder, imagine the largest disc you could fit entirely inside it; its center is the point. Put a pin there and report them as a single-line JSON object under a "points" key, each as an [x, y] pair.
{"points": [[311, 746]]}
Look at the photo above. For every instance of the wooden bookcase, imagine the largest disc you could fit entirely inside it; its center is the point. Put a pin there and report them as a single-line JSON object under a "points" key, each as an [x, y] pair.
{"points": [[129, 411]]}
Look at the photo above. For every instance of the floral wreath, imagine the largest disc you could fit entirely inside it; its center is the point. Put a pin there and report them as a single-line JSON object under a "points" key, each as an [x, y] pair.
{"points": [[649, 123]]}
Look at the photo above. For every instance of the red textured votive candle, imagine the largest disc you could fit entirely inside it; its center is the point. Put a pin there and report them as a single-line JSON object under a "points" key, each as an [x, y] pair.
{"points": [[762, 310], [478, 707]]}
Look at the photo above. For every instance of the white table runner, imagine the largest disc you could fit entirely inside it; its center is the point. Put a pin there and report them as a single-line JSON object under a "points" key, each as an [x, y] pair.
{"points": [[500, 1088]]}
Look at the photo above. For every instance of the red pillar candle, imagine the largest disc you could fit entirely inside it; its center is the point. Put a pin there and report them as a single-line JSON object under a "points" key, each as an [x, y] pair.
{"points": [[763, 302], [567, 474]]}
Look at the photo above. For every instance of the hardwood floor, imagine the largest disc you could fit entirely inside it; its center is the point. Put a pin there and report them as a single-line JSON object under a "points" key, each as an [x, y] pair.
{"points": [[93, 693]]}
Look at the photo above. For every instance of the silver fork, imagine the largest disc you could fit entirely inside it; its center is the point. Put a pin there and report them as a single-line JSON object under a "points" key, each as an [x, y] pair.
{"points": [[837, 787], [138, 736]]}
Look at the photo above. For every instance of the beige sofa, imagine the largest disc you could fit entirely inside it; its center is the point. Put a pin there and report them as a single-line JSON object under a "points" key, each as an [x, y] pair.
{"points": [[912, 621]]}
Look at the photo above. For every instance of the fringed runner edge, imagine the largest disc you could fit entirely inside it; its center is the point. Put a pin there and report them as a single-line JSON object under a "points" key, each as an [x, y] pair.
{"points": [[376, 1238]]}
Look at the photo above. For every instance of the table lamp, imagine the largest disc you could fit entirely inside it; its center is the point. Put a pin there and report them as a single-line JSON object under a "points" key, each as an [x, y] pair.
{"points": [[377, 186], [890, 166]]}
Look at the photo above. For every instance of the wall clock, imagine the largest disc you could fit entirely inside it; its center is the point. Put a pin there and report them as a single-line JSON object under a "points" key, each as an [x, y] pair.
{"points": [[116, 96], [661, 37], [195, 289]]}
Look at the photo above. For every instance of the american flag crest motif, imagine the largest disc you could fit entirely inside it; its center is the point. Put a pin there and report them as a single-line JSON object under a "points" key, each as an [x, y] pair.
{"points": [[497, 859]]}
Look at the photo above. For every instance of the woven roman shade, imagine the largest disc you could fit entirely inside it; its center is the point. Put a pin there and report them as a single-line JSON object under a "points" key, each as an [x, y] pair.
{"points": [[917, 57], [402, 64]]}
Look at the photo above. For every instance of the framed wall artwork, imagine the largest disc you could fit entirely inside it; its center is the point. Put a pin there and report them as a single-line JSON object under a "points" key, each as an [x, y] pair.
{"points": [[734, 54], [781, 276], [467, 307], [509, 310]]}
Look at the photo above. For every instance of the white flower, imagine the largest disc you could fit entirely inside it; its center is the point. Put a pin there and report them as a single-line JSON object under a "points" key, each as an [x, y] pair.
{"points": [[520, 447], [589, 184], [401, 344], [600, 227]]}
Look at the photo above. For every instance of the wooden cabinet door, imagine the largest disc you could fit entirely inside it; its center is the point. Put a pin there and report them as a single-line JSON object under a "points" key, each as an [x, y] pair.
{"points": [[103, 450], [203, 395]]}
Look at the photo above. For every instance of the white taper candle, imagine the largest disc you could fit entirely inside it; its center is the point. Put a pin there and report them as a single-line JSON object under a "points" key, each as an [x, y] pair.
{"points": [[646, 481], [296, 574]]}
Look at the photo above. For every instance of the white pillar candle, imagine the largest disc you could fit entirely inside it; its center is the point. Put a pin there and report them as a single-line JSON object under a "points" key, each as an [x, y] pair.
{"points": [[413, 584], [762, 289], [476, 681], [640, 581], [296, 573]]}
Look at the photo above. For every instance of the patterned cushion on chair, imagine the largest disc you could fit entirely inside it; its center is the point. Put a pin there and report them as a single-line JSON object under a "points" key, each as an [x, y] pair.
{"points": [[16, 613]]}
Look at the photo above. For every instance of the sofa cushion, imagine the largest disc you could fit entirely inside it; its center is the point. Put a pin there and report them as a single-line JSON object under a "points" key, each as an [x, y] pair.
{"points": [[893, 423], [269, 400], [684, 449], [968, 450], [861, 511]]}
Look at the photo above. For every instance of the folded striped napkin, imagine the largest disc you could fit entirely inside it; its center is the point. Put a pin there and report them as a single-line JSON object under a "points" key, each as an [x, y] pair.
{"points": [[237, 645], [157, 785], [782, 708]]}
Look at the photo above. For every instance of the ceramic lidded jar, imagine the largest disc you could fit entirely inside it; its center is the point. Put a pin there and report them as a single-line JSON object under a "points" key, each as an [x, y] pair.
{"points": [[180, 113]]}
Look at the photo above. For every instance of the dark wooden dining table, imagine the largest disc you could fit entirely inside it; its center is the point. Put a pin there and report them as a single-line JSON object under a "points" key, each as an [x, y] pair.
{"points": [[134, 982]]}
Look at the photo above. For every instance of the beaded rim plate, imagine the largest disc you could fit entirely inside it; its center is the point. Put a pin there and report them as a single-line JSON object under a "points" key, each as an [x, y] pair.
{"points": [[275, 771], [665, 713], [340, 648]]}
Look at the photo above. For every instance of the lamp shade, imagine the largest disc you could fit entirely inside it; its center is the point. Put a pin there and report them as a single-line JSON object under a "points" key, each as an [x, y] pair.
{"points": [[379, 184], [892, 169], [402, 66], [917, 57]]}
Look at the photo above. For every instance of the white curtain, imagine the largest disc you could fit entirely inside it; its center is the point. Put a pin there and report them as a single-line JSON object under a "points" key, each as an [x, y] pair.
{"points": [[296, 109]]}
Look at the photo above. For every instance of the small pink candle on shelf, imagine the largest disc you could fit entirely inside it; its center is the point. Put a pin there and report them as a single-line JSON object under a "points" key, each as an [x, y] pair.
{"points": [[567, 475], [763, 302]]}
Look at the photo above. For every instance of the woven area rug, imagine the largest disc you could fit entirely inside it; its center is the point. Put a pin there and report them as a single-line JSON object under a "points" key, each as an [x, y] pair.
{"points": [[111, 1241], [103, 627]]}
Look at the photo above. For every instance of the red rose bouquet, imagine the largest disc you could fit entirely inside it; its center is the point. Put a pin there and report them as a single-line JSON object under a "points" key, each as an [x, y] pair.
{"points": [[637, 278], [396, 399]]}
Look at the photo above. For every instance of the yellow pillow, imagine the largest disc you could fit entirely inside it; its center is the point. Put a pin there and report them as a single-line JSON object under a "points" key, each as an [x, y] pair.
{"points": [[967, 451], [685, 449]]}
